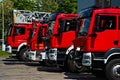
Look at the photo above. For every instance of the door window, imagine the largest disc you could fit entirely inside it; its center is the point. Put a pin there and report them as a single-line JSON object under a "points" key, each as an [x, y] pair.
{"points": [[68, 25], [19, 31], [105, 23]]}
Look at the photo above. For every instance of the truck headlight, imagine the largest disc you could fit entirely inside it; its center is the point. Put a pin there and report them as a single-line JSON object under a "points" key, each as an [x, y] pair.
{"points": [[87, 59]]}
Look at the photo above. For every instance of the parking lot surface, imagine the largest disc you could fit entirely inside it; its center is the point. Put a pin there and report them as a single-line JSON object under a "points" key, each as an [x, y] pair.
{"points": [[12, 69]]}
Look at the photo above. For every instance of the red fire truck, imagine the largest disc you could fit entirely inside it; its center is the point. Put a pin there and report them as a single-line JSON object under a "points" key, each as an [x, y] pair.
{"points": [[97, 43], [20, 30], [36, 43], [61, 33], [62, 36]]}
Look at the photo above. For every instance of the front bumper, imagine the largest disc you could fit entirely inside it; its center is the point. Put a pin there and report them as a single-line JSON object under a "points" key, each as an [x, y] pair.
{"points": [[52, 54], [87, 59], [8, 49], [36, 55]]}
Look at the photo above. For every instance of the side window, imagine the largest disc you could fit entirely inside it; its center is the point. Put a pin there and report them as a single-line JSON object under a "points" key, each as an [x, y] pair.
{"points": [[105, 23], [22, 31], [67, 25], [19, 31], [70, 25], [62, 24]]}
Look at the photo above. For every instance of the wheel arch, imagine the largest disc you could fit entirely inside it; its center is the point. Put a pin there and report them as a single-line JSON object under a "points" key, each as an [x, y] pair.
{"points": [[21, 46], [69, 48], [111, 54]]}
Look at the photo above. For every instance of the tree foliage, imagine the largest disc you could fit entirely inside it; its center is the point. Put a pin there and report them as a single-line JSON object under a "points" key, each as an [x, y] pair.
{"points": [[7, 8], [68, 6], [24, 4], [46, 5]]}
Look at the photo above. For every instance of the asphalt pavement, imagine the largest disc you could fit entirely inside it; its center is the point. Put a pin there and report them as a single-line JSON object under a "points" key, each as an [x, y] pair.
{"points": [[13, 69]]}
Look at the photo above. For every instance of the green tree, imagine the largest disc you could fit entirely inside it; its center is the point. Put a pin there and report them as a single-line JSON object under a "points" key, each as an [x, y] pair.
{"points": [[8, 7], [46, 5], [24, 4], [68, 6]]}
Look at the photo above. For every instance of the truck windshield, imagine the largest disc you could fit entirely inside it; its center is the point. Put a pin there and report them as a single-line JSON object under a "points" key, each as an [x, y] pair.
{"points": [[84, 26], [50, 27], [84, 17], [9, 30], [40, 34], [31, 34]]}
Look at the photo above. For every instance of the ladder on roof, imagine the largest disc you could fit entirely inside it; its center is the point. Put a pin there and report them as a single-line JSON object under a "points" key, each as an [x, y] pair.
{"points": [[26, 16]]}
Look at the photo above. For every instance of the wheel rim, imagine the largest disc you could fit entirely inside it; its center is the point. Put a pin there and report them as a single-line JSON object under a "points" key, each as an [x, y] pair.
{"points": [[25, 54], [75, 60], [116, 70], [77, 65]]}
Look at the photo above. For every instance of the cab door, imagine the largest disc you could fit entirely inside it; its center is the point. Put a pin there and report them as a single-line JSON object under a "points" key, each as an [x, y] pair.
{"points": [[105, 33], [19, 36], [68, 33], [119, 30]]}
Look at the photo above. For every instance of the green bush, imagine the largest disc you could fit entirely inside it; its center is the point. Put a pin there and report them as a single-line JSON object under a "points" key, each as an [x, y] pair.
{"points": [[3, 54]]}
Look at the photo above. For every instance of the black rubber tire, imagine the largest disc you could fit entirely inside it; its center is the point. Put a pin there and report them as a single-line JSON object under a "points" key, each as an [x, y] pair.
{"points": [[71, 64], [21, 54], [17, 55], [109, 67]]}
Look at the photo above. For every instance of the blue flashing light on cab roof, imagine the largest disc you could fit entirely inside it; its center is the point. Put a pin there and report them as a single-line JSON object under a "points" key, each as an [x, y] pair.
{"points": [[53, 16], [85, 13]]}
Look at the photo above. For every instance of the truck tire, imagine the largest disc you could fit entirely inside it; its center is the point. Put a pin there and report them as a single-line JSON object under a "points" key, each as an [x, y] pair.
{"points": [[23, 55], [72, 65], [17, 55], [113, 70]]}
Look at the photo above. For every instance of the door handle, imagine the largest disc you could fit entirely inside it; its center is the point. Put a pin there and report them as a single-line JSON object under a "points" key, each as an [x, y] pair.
{"points": [[115, 42]]}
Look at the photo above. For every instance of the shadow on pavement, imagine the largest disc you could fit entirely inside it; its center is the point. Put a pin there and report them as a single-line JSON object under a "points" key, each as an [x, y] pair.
{"points": [[81, 76], [50, 69], [12, 60], [70, 76]]}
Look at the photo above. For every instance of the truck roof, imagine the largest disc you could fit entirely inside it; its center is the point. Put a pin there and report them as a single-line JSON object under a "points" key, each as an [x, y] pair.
{"points": [[61, 15], [87, 12], [107, 10], [67, 15]]}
